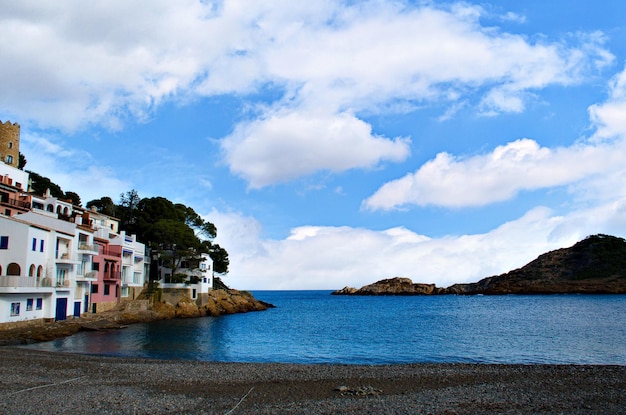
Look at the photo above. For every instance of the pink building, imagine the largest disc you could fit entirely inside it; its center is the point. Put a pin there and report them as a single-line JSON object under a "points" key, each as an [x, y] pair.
{"points": [[105, 292]]}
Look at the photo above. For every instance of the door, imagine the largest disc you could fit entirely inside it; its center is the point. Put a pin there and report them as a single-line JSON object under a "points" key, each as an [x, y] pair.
{"points": [[76, 308], [61, 312]]}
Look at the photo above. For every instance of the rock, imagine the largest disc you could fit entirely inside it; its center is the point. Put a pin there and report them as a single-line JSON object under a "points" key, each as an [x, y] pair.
{"points": [[392, 286], [187, 308], [359, 391], [345, 291]]}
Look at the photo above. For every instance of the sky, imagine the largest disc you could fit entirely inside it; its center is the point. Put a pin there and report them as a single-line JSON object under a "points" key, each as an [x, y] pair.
{"points": [[334, 143]]}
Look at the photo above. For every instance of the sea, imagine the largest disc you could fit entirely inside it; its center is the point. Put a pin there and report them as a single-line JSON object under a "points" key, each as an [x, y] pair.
{"points": [[319, 328]]}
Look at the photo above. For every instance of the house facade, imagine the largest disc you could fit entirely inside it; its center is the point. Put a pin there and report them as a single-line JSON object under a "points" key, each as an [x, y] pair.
{"points": [[193, 279], [58, 260]]}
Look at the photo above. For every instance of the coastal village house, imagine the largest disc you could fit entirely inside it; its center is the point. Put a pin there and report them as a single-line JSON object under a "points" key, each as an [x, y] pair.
{"points": [[58, 260], [193, 279]]}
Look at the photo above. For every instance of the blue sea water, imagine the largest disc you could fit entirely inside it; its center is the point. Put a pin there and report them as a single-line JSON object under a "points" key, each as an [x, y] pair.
{"points": [[315, 327]]}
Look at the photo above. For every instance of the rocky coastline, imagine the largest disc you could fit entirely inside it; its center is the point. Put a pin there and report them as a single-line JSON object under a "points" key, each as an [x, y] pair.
{"points": [[595, 265], [145, 309]]}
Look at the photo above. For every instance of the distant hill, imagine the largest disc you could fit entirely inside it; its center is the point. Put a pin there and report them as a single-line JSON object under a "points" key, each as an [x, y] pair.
{"points": [[596, 264]]}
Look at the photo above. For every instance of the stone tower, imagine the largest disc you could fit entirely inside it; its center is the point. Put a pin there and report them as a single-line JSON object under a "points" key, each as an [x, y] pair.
{"points": [[10, 143]]}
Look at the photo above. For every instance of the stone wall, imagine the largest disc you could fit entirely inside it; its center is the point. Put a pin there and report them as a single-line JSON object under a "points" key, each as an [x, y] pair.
{"points": [[24, 324]]}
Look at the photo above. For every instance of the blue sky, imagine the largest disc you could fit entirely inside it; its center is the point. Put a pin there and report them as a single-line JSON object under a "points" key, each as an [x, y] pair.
{"points": [[335, 143]]}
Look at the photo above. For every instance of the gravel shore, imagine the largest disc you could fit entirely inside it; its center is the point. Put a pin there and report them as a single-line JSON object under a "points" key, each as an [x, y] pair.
{"points": [[37, 382]]}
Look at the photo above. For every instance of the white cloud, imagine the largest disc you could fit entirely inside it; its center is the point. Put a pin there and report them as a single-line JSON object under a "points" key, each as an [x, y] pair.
{"points": [[608, 117], [496, 176], [285, 146], [315, 257], [72, 66]]}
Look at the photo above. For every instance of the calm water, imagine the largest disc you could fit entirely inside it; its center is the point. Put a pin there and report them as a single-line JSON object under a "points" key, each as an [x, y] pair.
{"points": [[315, 327]]}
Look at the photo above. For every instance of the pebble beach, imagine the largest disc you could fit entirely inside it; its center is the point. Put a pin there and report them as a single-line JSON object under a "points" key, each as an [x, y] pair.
{"points": [[36, 382]]}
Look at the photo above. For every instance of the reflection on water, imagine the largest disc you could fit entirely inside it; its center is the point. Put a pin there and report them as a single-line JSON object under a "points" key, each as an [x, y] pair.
{"points": [[315, 327]]}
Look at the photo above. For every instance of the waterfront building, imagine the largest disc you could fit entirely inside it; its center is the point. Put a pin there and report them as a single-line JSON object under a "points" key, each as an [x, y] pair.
{"points": [[192, 279], [27, 285]]}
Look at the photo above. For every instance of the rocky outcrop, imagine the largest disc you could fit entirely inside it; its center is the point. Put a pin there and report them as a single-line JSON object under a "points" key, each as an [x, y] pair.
{"points": [[143, 310], [595, 265], [233, 301], [392, 286]]}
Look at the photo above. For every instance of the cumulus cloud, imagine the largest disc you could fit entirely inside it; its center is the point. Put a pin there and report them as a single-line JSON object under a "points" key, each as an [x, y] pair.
{"points": [[497, 176], [317, 257], [608, 117], [73, 66], [285, 146]]}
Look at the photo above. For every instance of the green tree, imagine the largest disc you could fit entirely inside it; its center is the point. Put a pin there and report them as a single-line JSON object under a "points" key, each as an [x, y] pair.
{"points": [[103, 205], [74, 197], [220, 259], [39, 185], [175, 231], [127, 211], [22, 162]]}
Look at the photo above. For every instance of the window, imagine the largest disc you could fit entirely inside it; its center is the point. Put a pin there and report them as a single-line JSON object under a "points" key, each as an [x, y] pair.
{"points": [[9, 159], [41, 246], [10, 145], [94, 289], [15, 309], [39, 303], [34, 244], [4, 242], [107, 289], [29, 304], [95, 266]]}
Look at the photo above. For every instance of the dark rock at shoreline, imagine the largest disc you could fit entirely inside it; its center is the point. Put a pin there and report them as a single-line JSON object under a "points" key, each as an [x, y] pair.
{"points": [[595, 265], [392, 286]]}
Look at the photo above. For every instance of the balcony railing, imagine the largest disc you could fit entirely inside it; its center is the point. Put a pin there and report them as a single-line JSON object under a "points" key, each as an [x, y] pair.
{"points": [[27, 282], [113, 275], [66, 257], [86, 247], [109, 252], [16, 203]]}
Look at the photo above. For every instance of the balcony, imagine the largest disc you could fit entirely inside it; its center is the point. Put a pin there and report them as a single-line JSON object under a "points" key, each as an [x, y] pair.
{"points": [[107, 252], [88, 276], [63, 284], [84, 248], [113, 275], [66, 258], [16, 203], [18, 284]]}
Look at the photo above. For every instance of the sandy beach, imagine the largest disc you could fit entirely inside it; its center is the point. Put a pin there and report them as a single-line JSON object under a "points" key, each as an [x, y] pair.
{"points": [[37, 382]]}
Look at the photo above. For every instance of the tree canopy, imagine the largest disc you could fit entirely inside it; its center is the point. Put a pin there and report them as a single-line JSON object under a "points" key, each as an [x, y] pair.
{"points": [[40, 184], [174, 230]]}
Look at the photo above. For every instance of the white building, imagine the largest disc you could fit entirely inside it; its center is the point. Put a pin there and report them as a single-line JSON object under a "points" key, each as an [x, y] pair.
{"points": [[194, 277]]}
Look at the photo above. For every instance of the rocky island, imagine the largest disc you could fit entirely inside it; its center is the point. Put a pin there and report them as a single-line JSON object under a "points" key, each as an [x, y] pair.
{"points": [[595, 265]]}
